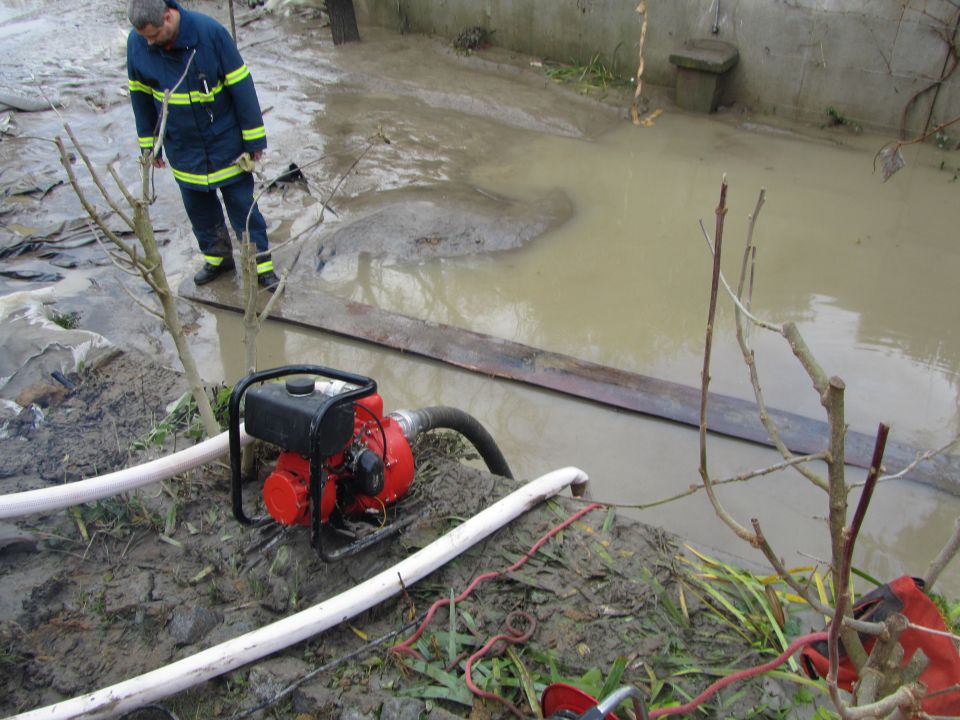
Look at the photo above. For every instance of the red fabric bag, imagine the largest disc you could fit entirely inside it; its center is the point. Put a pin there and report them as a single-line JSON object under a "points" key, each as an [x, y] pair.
{"points": [[904, 595]]}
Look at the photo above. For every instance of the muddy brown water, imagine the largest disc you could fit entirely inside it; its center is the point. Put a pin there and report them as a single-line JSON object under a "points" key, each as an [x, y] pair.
{"points": [[866, 269]]}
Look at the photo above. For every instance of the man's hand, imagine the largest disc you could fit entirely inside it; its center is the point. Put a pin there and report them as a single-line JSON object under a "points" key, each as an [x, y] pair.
{"points": [[157, 162], [256, 155]]}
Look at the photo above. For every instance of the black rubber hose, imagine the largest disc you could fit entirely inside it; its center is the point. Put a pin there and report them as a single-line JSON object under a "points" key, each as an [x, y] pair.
{"points": [[441, 417]]}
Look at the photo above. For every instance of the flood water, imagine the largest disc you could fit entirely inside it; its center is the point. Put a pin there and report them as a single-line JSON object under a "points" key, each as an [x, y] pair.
{"points": [[866, 269]]}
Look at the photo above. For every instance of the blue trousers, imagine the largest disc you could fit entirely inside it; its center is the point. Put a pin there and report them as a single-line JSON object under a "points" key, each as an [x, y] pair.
{"points": [[206, 216]]}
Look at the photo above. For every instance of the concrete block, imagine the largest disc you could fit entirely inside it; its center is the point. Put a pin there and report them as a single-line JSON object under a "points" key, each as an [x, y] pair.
{"points": [[701, 66]]}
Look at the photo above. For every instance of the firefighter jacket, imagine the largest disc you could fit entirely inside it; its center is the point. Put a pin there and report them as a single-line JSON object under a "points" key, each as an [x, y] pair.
{"points": [[213, 116]]}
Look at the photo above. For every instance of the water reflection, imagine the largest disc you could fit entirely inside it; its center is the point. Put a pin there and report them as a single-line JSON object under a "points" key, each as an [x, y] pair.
{"points": [[862, 267]]}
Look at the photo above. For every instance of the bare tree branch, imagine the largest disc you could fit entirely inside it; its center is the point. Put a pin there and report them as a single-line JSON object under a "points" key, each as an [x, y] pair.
{"points": [[749, 357], [741, 308], [848, 537], [96, 178], [881, 672], [123, 262], [164, 112], [253, 321], [146, 308], [377, 138], [944, 557], [233, 23], [922, 457], [742, 477], [635, 105], [150, 266], [718, 507], [800, 349], [907, 697], [131, 201], [750, 250], [868, 628], [92, 211]]}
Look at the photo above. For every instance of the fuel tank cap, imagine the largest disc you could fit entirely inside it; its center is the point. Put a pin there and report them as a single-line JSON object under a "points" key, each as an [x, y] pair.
{"points": [[300, 386]]}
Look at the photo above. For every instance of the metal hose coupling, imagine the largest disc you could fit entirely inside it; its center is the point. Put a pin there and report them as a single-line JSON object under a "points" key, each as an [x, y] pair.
{"points": [[411, 422]]}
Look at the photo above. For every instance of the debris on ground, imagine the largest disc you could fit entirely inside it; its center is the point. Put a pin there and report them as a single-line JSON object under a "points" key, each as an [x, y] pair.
{"points": [[472, 38]]}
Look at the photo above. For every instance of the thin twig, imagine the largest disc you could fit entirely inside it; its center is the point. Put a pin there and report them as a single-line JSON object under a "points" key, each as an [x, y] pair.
{"points": [[129, 250], [64, 160], [750, 250], [165, 108], [327, 666], [742, 310], [718, 507], [923, 457], [253, 321], [803, 591], [143, 306], [122, 187], [736, 300], [87, 205], [377, 138], [946, 690], [854, 648], [742, 477], [635, 105], [946, 554], [96, 177], [140, 271], [278, 292], [233, 23]]}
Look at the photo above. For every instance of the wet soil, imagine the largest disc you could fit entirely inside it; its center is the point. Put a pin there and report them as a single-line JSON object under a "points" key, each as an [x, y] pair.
{"points": [[115, 588]]}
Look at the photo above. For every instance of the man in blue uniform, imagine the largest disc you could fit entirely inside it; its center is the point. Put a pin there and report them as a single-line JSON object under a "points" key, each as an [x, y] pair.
{"points": [[214, 125]]}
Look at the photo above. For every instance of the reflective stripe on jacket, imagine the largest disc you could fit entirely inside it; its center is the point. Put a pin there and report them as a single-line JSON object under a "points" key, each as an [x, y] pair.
{"points": [[214, 115]]}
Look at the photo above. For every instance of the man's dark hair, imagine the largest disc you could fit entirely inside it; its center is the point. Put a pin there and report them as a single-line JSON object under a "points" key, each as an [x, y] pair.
{"points": [[146, 12]]}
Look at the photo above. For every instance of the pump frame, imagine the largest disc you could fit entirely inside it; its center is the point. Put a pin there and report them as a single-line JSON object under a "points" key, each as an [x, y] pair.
{"points": [[363, 387]]}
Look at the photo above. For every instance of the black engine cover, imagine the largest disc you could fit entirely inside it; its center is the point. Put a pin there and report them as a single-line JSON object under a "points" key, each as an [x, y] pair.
{"points": [[281, 414]]}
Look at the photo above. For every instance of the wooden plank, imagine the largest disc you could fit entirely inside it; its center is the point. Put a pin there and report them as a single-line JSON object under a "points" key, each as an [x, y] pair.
{"points": [[496, 357]]}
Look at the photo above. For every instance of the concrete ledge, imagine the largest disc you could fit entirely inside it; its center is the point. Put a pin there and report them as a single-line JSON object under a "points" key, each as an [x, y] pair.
{"points": [[711, 56]]}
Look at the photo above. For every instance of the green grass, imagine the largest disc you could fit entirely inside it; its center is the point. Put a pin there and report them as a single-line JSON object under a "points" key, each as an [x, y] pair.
{"points": [[594, 77], [183, 418]]}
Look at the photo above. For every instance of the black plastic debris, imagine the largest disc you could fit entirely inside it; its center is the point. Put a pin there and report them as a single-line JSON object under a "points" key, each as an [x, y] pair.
{"points": [[31, 275], [293, 175]]}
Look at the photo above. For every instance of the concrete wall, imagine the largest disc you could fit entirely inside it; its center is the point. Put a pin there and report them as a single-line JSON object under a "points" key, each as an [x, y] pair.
{"points": [[865, 58]]}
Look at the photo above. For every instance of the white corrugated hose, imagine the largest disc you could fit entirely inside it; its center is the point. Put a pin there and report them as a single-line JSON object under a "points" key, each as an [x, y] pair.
{"points": [[57, 497], [182, 674]]}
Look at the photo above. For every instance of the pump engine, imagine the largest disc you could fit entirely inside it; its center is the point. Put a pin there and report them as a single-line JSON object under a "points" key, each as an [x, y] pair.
{"points": [[341, 459]]}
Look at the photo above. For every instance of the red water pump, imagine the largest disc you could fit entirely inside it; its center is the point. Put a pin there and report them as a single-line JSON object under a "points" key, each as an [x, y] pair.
{"points": [[341, 459]]}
